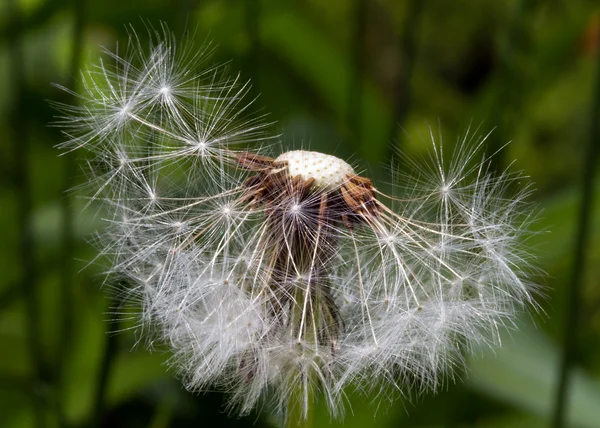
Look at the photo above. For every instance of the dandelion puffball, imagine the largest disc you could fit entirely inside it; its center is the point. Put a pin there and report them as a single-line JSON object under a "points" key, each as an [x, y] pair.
{"points": [[289, 276]]}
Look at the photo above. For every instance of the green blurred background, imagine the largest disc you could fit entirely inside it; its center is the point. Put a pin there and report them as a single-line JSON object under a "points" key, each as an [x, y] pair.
{"points": [[355, 78]]}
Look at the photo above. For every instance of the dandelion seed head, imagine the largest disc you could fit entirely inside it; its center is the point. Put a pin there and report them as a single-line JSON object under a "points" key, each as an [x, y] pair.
{"points": [[275, 275]]}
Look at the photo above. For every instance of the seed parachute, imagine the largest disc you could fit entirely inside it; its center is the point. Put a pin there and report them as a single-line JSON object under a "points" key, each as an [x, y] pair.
{"points": [[287, 275]]}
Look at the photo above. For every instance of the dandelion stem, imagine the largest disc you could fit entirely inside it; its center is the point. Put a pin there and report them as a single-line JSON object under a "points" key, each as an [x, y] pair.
{"points": [[574, 297]]}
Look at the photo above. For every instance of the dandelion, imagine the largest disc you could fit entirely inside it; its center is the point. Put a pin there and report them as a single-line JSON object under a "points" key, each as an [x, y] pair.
{"points": [[287, 275]]}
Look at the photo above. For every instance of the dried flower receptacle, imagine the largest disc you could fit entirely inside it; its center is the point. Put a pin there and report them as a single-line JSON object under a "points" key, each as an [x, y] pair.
{"points": [[288, 275], [306, 197]]}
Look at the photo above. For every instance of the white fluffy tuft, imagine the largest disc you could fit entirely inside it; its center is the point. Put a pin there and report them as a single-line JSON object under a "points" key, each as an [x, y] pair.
{"points": [[399, 296]]}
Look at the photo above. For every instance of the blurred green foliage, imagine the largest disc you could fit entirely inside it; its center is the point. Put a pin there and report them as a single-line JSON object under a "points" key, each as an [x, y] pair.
{"points": [[356, 78]]}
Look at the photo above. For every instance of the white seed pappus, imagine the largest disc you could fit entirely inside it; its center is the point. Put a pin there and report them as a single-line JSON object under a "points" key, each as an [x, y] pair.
{"points": [[285, 276]]}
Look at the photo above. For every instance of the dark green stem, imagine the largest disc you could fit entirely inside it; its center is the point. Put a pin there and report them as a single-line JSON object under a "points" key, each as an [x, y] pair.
{"points": [[22, 188], [10, 294], [570, 352], [508, 98], [110, 349], [408, 47], [66, 208], [252, 13], [186, 9], [355, 84]]}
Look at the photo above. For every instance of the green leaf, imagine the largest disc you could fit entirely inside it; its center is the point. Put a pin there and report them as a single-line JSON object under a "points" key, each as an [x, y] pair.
{"points": [[523, 372]]}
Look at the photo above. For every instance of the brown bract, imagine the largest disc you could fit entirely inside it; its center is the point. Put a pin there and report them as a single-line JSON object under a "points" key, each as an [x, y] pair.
{"points": [[350, 203], [303, 223]]}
